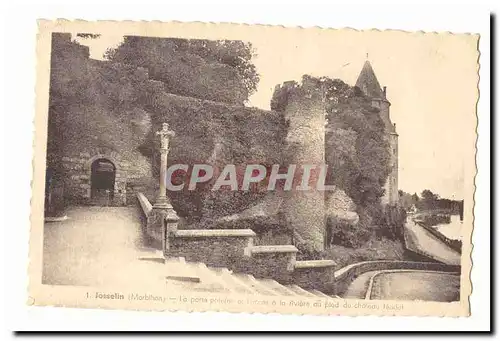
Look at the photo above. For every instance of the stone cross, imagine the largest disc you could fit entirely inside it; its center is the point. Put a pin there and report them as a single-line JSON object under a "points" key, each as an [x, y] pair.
{"points": [[165, 134]]}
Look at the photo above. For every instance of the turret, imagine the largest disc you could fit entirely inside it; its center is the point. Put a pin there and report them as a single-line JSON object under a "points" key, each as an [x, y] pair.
{"points": [[304, 108], [368, 83]]}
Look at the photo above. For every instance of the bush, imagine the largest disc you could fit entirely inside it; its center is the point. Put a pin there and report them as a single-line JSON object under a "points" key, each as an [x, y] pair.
{"points": [[435, 219], [392, 223], [345, 234], [373, 249]]}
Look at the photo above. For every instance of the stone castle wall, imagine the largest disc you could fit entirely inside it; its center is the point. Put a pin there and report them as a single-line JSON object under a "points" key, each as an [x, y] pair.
{"points": [[129, 173], [83, 130]]}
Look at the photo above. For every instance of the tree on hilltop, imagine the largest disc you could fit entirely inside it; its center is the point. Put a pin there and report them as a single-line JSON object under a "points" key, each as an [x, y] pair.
{"points": [[216, 70], [427, 195]]}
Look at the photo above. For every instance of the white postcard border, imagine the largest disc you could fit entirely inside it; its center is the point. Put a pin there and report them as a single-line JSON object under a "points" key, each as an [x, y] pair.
{"points": [[482, 210]]}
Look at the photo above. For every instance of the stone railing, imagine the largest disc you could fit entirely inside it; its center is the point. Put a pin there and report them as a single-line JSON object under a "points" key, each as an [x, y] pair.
{"points": [[144, 203], [316, 274], [455, 245], [413, 251], [345, 275], [217, 248], [270, 261]]}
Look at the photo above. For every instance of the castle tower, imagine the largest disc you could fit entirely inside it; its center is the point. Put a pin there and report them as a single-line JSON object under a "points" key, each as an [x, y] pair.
{"points": [[304, 108], [367, 82]]}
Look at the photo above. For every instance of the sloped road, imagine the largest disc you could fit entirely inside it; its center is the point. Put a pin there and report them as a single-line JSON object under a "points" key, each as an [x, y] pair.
{"points": [[421, 241], [98, 246]]}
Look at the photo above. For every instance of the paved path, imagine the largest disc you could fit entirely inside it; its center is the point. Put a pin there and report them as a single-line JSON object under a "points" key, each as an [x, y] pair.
{"points": [[357, 289], [98, 246], [405, 285], [416, 285], [421, 240]]}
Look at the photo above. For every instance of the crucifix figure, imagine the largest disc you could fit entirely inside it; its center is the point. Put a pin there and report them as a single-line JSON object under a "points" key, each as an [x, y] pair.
{"points": [[165, 134]]}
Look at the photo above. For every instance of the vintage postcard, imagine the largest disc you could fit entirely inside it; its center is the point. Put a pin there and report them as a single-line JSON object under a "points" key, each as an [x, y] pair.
{"points": [[252, 168]]}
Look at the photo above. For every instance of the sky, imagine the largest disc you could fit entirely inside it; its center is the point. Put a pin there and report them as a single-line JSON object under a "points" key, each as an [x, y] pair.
{"points": [[431, 83]]}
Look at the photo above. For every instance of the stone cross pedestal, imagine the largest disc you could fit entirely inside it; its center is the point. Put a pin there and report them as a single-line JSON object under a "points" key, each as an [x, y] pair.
{"points": [[165, 134], [163, 220]]}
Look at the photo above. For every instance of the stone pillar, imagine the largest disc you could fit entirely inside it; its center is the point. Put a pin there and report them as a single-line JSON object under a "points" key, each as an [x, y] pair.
{"points": [[305, 209], [163, 220], [165, 134], [170, 221]]}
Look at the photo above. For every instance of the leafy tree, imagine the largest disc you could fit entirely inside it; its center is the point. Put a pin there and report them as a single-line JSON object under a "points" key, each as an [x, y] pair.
{"points": [[427, 195], [432, 201], [428, 200], [364, 156], [217, 70]]}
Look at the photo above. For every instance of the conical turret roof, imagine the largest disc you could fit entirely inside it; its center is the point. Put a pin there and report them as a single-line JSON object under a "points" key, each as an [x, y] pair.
{"points": [[368, 83]]}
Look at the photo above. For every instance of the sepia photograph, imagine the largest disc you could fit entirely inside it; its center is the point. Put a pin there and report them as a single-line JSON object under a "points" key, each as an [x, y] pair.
{"points": [[284, 170]]}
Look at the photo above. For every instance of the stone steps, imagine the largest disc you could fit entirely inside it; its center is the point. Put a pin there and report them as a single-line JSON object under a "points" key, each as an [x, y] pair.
{"points": [[224, 280], [177, 269], [196, 276], [239, 286], [257, 286], [150, 254], [318, 293], [281, 289], [300, 291]]}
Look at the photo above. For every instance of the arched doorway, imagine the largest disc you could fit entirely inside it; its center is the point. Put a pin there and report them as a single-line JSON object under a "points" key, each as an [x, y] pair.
{"points": [[102, 182]]}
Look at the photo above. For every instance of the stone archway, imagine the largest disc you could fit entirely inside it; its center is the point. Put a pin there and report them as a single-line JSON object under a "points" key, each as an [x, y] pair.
{"points": [[107, 184], [102, 182]]}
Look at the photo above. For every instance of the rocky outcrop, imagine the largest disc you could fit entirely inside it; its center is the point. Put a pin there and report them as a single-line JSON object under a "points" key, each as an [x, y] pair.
{"points": [[339, 206]]}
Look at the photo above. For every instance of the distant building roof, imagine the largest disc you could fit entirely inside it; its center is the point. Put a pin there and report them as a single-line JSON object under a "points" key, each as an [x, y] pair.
{"points": [[368, 83]]}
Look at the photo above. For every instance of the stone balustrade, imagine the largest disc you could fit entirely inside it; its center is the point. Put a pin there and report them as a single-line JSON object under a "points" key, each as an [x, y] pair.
{"points": [[316, 274], [145, 204], [217, 248], [345, 275], [270, 261]]}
